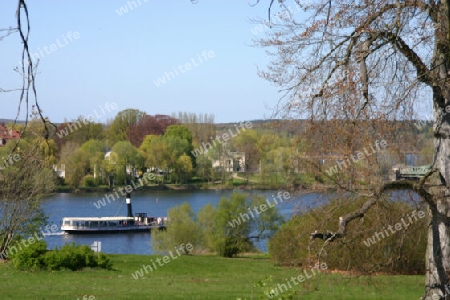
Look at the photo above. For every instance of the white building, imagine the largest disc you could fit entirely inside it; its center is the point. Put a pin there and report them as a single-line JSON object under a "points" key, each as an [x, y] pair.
{"points": [[231, 161]]}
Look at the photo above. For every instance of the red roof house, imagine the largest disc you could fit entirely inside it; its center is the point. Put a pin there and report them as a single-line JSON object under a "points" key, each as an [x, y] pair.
{"points": [[7, 134]]}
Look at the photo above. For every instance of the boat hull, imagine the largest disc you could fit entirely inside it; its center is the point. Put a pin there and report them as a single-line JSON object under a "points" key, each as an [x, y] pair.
{"points": [[113, 230]]}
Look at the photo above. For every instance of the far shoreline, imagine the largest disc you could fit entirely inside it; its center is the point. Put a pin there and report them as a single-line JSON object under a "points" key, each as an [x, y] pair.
{"points": [[191, 187]]}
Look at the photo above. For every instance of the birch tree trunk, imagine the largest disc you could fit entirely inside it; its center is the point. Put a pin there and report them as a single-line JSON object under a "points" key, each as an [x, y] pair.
{"points": [[438, 246], [371, 60]]}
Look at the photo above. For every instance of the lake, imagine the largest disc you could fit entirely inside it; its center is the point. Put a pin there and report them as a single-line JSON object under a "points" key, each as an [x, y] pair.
{"points": [[154, 203]]}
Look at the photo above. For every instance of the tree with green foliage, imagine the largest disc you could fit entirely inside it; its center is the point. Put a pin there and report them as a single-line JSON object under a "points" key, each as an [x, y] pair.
{"points": [[95, 149], [49, 151], [93, 146], [128, 153], [247, 142], [238, 223], [76, 161], [182, 228], [184, 168], [145, 145], [37, 129], [109, 166], [13, 145], [206, 220], [229, 229], [24, 179], [175, 148], [128, 161], [280, 165], [265, 144], [119, 128], [204, 168], [148, 151], [156, 150], [179, 131], [178, 142], [219, 154]]}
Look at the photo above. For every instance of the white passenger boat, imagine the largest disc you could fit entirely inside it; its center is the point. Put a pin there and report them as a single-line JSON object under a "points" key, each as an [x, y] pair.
{"points": [[140, 222]]}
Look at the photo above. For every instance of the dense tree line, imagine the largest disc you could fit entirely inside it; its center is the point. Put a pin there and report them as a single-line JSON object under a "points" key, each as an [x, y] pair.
{"points": [[194, 148]]}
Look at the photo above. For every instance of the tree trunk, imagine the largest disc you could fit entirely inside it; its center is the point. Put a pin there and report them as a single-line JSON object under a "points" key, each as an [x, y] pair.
{"points": [[437, 254], [438, 247]]}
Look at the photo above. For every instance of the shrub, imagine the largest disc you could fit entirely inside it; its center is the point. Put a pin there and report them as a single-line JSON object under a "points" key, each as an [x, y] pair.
{"points": [[89, 181], [53, 260], [31, 257], [400, 252], [70, 256], [104, 262]]}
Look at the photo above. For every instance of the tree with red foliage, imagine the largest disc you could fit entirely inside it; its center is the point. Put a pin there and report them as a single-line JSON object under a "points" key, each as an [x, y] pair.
{"points": [[155, 125]]}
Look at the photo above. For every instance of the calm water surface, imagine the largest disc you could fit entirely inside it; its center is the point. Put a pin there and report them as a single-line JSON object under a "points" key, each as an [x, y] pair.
{"points": [[154, 203]]}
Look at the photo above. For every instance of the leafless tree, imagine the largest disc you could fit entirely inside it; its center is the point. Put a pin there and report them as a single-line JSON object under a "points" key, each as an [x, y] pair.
{"points": [[201, 125], [376, 60], [24, 174]]}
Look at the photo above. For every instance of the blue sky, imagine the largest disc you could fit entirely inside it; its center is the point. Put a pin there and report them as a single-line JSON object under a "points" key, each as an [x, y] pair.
{"points": [[117, 56]]}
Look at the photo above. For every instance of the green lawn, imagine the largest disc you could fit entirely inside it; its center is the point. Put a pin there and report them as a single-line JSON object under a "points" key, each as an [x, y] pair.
{"points": [[198, 277]]}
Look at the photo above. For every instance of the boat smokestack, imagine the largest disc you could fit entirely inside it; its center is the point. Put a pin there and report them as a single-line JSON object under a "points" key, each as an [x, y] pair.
{"points": [[130, 212]]}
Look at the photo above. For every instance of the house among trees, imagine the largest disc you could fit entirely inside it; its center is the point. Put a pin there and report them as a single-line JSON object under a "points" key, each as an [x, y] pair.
{"points": [[7, 134], [60, 170], [231, 162], [111, 157]]}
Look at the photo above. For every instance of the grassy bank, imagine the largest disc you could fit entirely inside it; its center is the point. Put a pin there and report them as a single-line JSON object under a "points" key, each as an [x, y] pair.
{"points": [[198, 277]]}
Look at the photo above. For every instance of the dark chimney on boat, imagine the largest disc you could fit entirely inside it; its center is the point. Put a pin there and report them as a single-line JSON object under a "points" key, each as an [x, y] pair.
{"points": [[130, 212]]}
